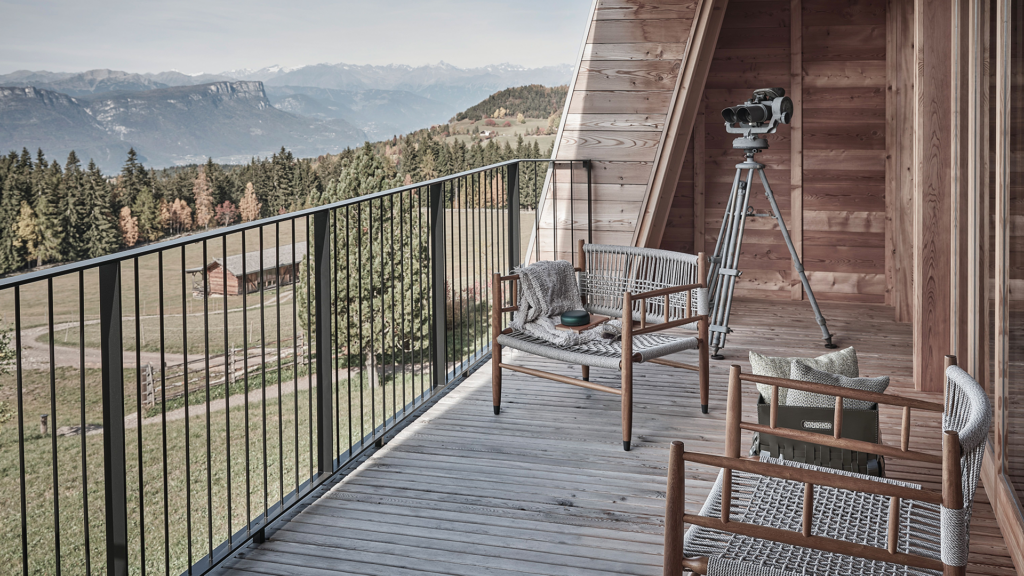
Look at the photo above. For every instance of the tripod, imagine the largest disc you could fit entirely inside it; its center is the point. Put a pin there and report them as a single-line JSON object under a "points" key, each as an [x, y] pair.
{"points": [[723, 270]]}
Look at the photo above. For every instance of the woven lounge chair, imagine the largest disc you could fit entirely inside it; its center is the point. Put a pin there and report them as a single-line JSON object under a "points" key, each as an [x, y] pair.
{"points": [[658, 289], [777, 518]]}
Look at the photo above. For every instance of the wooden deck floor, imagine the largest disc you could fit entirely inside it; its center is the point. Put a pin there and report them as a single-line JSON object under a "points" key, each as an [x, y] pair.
{"points": [[545, 487]]}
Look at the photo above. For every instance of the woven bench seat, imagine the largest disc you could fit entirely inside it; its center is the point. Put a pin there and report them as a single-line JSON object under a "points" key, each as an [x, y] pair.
{"points": [[600, 354], [658, 289]]}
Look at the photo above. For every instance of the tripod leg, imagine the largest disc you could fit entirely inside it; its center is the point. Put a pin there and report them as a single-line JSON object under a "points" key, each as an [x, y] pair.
{"points": [[796, 262], [730, 260], [714, 279]]}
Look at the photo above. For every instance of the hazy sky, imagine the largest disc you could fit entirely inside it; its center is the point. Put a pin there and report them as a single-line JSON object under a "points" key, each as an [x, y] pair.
{"points": [[212, 36]]}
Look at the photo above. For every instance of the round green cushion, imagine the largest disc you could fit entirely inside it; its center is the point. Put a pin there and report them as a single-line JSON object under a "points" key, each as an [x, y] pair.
{"points": [[575, 318]]}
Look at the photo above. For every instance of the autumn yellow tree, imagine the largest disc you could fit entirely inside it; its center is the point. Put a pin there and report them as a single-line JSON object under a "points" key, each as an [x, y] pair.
{"points": [[203, 195], [129, 227], [520, 118], [249, 207]]}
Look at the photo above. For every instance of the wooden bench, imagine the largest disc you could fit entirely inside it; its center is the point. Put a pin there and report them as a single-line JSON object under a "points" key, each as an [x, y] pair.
{"points": [[657, 289]]}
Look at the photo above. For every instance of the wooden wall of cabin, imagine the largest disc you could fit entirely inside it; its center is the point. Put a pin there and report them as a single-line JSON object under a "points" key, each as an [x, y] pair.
{"points": [[827, 169]]}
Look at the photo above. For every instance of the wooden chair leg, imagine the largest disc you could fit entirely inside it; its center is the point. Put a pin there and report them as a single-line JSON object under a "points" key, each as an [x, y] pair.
{"points": [[495, 347], [626, 366], [703, 360], [496, 376], [586, 372], [627, 403]]}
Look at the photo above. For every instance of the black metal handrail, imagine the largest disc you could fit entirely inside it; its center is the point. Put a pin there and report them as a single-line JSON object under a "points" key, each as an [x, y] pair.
{"points": [[388, 307]]}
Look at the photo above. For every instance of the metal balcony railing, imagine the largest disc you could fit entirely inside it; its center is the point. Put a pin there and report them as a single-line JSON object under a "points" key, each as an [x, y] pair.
{"points": [[187, 399]]}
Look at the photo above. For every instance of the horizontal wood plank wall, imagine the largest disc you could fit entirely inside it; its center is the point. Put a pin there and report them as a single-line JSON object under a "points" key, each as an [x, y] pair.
{"points": [[843, 114], [844, 97], [617, 115]]}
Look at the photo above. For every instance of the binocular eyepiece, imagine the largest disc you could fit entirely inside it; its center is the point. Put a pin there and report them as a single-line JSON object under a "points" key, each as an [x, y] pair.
{"points": [[768, 108], [746, 113]]}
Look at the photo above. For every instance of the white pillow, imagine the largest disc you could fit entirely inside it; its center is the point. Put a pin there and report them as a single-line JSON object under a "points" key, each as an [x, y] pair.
{"points": [[801, 371], [839, 362]]}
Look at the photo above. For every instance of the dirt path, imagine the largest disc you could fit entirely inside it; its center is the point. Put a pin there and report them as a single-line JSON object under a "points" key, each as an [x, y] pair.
{"points": [[255, 397], [36, 355]]}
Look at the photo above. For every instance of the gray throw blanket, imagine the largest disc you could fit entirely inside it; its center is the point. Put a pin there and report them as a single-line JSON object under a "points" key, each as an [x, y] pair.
{"points": [[546, 289]]}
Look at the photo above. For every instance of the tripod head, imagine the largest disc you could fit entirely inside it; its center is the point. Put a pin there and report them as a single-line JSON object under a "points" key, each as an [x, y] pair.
{"points": [[761, 114]]}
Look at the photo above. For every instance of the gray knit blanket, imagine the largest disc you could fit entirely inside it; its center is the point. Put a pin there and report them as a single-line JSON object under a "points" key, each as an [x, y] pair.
{"points": [[546, 289]]}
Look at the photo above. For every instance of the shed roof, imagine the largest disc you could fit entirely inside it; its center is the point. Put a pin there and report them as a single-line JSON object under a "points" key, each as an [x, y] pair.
{"points": [[272, 258]]}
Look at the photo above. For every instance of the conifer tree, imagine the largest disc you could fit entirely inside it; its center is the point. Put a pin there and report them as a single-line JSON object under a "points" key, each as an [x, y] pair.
{"points": [[51, 213], [147, 211], [102, 237], [134, 178], [76, 209], [397, 259]]}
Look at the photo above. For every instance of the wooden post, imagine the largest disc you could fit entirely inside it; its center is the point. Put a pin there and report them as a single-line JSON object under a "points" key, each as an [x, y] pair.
{"points": [[837, 423], [42, 424], [147, 385], [933, 156], [808, 512], [580, 257], [229, 367], [894, 524], [495, 347], [774, 408], [702, 269], [702, 362], [905, 430], [675, 508], [952, 485], [733, 416], [626, 366]]}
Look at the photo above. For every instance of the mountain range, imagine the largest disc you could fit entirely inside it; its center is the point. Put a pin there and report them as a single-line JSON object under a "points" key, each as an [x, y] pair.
{"points": [[228, 121], [379, 100]]}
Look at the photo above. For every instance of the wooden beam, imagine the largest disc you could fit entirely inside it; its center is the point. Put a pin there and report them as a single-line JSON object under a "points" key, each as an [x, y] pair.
{"points": [[932, 210], [699, 202], [687, 100], [902, 151], [796, 142], [960, 181]]}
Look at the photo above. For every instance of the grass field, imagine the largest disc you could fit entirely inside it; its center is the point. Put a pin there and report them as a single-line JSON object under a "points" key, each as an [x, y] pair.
{"points": [[504, 134], [275, 468]]}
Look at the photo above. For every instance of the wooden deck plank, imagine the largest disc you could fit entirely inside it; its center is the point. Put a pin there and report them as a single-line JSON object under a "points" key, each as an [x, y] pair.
{"points": [[545, 487]]}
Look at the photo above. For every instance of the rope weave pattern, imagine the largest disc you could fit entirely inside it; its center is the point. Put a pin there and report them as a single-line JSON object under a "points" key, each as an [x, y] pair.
{"points": [[840, 514], [969, 413], [601, 353], [613, 270]]}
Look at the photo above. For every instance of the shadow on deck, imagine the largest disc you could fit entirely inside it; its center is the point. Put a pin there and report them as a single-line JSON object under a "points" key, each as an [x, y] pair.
{"points": [[545, 488]]}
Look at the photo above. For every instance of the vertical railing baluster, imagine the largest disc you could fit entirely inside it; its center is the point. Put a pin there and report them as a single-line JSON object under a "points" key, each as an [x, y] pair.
{"points": [[188, 418], [53, 424], [21, 428], [112, 392], [85, 473], [513, 217], [138, 415], [322, 274], [437, 277]]}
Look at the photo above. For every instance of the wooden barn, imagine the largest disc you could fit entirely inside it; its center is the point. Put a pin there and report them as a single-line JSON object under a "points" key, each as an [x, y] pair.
{"points": [[271, 268]]}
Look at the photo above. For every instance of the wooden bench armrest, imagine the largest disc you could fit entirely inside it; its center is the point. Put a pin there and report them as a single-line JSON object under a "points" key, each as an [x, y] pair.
{"points": [[666, 325], [851, 393]]}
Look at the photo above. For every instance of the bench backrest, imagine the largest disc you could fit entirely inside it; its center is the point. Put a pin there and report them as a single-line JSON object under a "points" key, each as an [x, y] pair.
{"points": [[610, 271]]}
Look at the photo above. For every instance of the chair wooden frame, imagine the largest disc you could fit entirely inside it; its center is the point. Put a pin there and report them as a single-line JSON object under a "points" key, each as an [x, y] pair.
{"points": [[499, 309], [951, 495]]}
